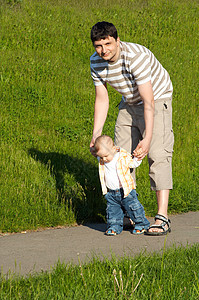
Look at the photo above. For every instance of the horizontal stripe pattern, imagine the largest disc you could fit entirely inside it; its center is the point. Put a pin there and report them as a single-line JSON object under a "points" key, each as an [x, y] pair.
{"points": [[136, 65]]}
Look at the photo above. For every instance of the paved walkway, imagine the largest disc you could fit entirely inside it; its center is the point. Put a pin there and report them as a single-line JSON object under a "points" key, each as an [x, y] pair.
{"points": [[26, 253]]}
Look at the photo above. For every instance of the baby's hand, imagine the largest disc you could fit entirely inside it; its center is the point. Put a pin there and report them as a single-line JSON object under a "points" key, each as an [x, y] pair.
{"points": [[137, 152]]}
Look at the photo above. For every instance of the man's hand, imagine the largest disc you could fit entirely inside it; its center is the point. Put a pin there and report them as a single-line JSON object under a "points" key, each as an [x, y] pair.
{"points": [[92, 149], [142, 149]]}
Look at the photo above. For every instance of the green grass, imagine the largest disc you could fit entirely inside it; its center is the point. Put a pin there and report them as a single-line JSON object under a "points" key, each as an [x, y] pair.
{"points": [[47, 175], [171, 274]]}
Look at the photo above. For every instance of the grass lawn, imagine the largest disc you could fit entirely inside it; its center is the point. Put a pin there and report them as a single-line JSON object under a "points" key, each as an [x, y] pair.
{"points": [[47, 175], [171, 274]]}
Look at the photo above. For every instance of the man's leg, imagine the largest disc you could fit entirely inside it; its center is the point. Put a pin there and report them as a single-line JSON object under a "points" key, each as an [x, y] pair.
{"points": [[162, 201], [160, 158], [123, 129], [127, 129]]}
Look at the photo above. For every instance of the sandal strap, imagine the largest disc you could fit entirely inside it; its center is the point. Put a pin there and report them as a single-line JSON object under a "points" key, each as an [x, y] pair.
{"points": [[161, 226], [162, 218]]}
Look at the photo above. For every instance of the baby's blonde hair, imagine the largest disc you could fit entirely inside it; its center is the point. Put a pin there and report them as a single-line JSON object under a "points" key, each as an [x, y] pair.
{"points": [[103, 140]]}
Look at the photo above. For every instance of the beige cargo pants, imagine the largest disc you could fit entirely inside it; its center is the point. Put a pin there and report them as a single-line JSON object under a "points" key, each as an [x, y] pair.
{"points": [[130, 129]]}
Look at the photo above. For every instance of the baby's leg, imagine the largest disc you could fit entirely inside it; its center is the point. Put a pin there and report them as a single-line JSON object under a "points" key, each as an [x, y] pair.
{"points": [[135, 211], [114, 212]]}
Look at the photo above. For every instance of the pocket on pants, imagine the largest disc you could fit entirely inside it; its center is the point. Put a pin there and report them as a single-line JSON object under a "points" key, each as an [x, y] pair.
{"points": [[169, 142], [137, 212], [168, 139]]}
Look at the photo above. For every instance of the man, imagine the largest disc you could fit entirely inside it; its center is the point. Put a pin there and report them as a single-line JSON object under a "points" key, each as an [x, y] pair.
{"points": [[144, 123]]}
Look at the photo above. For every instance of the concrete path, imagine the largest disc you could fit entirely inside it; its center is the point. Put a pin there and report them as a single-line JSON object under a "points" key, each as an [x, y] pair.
{"points": [[26, 253]]}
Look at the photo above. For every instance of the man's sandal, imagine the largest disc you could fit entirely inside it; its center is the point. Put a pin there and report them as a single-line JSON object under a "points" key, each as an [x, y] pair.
{"points": [[110, 232], [165, 222]]}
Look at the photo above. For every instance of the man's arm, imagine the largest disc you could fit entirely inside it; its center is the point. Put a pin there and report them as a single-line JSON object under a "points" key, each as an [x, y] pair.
{"points": [[100, 112], [146, 93]]}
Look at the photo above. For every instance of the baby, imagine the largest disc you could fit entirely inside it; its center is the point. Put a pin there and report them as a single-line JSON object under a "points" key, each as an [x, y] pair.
{"points": [[118, 186]]}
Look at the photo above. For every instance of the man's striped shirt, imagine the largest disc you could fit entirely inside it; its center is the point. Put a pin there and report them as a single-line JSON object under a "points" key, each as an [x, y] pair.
{"points": [[136, 65]]}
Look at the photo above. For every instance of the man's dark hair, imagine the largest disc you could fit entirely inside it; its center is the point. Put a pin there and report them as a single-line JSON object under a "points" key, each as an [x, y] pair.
{"points": [[102, 30]]}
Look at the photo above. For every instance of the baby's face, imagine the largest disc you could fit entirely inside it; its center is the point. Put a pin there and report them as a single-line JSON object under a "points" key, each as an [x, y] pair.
{"points": [[106, 153]]}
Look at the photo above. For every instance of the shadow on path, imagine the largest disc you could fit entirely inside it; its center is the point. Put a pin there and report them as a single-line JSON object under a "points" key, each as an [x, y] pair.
{"points": [[102, 226], [98, 226]]}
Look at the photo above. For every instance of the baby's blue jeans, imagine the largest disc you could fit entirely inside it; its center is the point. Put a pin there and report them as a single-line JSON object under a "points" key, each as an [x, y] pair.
{"points": [[117, 204]]}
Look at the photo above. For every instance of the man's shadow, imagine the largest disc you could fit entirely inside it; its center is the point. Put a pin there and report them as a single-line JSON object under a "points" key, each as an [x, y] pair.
{"points": [[76, 180]]}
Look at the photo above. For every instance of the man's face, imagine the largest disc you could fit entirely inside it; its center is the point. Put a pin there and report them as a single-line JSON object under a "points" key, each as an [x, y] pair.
{"points": [[108, 48]]}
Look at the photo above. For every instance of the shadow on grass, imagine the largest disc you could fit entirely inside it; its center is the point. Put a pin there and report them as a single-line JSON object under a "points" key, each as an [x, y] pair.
{"points": [[76, 182]]}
